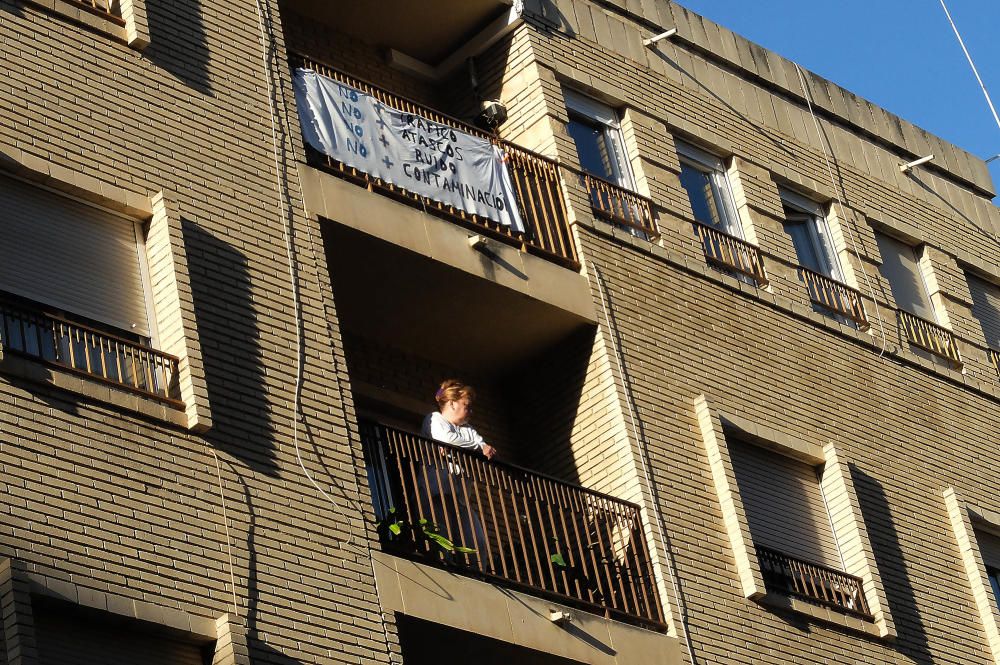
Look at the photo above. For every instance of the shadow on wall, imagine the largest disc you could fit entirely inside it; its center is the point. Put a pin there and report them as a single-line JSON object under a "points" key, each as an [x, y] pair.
{"points": [[889, 558], [178, 42], [234, 372], [544, 395]]}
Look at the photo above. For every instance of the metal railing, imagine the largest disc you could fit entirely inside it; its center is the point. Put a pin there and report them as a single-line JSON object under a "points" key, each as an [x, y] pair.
{"points": [[620, 206], [731, 253], [930, 336], [536, 179], [994, 357], [818, 584], [525, 530], [107, 9], [835, 296], [29, 331]]}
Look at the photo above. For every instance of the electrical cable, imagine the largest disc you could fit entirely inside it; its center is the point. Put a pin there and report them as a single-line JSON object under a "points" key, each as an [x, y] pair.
{"points": [[267, 47], [225, 523], [840, 207], [972, 64], [643, 454]]}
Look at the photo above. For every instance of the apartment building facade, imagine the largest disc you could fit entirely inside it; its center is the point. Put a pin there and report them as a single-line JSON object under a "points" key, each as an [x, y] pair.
{"points": [[742, 368]]}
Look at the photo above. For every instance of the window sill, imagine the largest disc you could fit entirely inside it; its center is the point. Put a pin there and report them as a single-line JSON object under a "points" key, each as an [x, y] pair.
{"points": [[38, 372], [831, 616]]}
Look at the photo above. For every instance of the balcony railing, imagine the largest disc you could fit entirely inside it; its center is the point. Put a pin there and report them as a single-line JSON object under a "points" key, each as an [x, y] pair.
{"points": [[994, 356], [107, 9], [620, 206], [731, 253], [835, 296], [814, 583], [27, 330], [930, 336], [536, 179], [527, 530]]}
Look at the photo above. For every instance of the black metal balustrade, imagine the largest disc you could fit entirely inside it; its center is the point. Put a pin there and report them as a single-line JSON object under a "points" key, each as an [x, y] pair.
{"points": [[27, 330], [107, 9], [731, 253], [930, 336], [835, 296], [536, 179], [447, 506], [818, 584], [620, 206]]}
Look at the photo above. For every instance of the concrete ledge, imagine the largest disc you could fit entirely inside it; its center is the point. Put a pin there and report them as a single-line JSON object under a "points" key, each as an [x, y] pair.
{"points": [[379, 216], [460, 602], [92, 20], [27, 369]]}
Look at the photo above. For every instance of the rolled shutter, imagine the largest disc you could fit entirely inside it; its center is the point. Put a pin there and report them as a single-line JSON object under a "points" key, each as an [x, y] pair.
{"points": [[784, 505], [900, 268], [989, 547], [986, 308], [70, 256]]}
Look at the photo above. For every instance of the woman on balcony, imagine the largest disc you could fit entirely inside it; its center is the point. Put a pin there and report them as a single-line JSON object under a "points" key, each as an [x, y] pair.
{"points": [[449, 425]]}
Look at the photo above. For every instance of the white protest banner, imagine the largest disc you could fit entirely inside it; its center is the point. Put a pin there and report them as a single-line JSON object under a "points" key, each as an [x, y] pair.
{"points": [[424, 157]]}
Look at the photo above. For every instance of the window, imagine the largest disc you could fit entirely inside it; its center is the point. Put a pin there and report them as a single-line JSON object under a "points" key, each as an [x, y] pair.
{"points": [[595, 130], [994, 575], [73, 285], [704, 179], [806, 225], [989, 547], [986, 308], [900, 268], [785, 506]]}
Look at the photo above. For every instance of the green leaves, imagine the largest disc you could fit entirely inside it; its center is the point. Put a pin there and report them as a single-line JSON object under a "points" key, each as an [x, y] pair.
{"points": [[429, 530]]}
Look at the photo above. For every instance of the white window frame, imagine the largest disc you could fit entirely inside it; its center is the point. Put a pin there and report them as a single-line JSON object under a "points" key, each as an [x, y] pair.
{"points": [[722, 190], [819, 231], [588, 108]]}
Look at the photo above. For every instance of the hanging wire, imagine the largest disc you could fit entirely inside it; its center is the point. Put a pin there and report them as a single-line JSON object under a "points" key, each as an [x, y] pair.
{"points": [[807, 93], [972, 64]]}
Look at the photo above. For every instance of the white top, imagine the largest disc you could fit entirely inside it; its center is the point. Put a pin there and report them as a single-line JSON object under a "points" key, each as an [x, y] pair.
{"points": [[438, 428]]}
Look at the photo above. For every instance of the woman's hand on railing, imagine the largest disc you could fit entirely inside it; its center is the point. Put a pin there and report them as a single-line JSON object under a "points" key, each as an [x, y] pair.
{"points": [[489, 451]]}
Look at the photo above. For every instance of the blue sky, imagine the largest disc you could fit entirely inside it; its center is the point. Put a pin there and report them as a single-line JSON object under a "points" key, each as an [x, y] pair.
{"points": [[899, 54]]}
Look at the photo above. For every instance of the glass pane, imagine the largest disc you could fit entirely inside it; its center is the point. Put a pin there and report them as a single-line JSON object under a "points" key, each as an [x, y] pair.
{"points": [[995, 581], [593, 149], [703, 200], [805, 250]]}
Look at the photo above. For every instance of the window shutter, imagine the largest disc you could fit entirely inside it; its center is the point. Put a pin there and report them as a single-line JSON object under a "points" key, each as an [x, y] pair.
{"points": [[71, 256], [989, 547], [986, 308], [899, 266], [784, 505]]}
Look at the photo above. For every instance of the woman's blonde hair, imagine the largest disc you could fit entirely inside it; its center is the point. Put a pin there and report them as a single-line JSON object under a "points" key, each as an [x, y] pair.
{"points": [[452, 390]]}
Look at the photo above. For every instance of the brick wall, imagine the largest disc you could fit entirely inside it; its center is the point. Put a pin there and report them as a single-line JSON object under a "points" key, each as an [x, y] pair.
{"points": [[126, 504]]}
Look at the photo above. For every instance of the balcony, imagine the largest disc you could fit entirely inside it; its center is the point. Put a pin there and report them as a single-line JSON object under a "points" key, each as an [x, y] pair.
{"points": [[27, 330], [930, 336], [620, 207], [835, 297], [731, 253], [994, 356], [535, 179], [106, 9], [813, 583], [516, 528]]}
